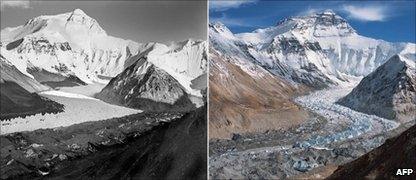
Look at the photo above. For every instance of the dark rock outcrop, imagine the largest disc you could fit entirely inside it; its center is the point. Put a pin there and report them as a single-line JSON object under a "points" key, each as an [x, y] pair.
{"points": [[147, 87], [389, 92], [18, 102]]}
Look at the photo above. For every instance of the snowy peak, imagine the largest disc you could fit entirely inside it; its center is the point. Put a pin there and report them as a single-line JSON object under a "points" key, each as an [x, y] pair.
{"points": [[221, 29], [322, 24], [327, 14], [79, 17], [72, 41], [75, 25], [325, 24], [78, 12], [328, 21], [398, 65]]}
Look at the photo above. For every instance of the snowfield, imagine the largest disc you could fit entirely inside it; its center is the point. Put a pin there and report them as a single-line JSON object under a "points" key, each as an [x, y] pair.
{"points": [[65, 94], [78, 109]]}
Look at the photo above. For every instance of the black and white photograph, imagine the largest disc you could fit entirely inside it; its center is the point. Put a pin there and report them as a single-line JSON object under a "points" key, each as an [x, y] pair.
{"points": [[103, 89]]}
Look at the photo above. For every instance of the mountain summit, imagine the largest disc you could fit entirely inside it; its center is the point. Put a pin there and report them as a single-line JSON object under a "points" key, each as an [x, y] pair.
{"points": [[317, 50], [69, 25], [68, 44], [321, 24]]}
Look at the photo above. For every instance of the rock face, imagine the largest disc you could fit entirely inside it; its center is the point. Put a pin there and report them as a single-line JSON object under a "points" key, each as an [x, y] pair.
{"points": [[147, 87], [384, 161], [389, 91]]}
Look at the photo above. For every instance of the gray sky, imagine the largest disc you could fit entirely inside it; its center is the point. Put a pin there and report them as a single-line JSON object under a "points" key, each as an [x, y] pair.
{"points": [[141, 21]]}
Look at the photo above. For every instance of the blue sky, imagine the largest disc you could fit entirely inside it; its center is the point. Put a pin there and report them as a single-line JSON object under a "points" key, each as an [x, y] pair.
{"points": [[388, 20]]}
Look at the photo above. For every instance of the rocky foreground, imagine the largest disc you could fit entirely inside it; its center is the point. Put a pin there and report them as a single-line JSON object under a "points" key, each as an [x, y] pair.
{"points": [[383, 162], [146, 145]]}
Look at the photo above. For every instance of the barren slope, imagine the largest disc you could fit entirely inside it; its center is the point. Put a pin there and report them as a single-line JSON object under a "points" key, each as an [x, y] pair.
{"points": [[241, 103]]}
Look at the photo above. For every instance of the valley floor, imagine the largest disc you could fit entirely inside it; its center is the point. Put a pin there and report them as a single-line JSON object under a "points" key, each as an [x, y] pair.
{"points": [[333, 136], [80, 106]]}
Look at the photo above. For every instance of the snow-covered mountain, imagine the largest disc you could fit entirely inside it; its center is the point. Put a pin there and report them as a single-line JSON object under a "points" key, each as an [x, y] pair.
{"points": [[69, 43], [145, 86], [185, 61], [389, 91], [73, 45], [317, 50]]}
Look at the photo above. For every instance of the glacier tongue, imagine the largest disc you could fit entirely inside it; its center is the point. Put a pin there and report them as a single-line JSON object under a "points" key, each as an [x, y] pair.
{"points": [[356, 123]]}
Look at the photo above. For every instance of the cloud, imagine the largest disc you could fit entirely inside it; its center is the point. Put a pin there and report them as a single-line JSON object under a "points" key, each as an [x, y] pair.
{"points": [[231, 21], [366, 13], [222, 5], [15, 4], [309, 11]]}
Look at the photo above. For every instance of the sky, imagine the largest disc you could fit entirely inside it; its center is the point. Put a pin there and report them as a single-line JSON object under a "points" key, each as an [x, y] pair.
{"points": [[392, 21], [140, 21]]}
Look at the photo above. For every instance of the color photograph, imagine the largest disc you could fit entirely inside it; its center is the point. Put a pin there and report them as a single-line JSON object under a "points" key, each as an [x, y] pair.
{"points": [[207, 89], [311, 89]]}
